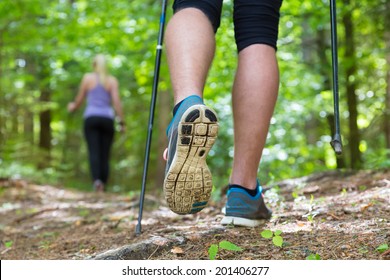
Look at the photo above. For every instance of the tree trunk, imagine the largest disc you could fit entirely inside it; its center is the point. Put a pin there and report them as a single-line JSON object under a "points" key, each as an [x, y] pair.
{"points": [[387, 104], [350, 72], [28, 126], [45, 120], [44, 116]]}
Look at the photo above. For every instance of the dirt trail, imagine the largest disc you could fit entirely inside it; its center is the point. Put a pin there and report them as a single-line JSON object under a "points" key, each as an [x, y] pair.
{"points": [[337, 215]]}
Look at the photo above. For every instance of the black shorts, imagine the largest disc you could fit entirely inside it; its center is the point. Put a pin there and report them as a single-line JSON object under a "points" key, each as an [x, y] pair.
{"points": [[255, 21]]}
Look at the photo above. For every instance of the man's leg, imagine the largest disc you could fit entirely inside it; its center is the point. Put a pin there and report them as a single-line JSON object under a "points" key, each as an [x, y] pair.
{"points": [[254, 95], [190, 49], [192, 132]]}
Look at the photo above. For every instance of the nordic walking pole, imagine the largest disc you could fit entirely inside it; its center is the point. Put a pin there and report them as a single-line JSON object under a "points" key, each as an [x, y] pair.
{"points": [[151, 113], [336, 141]]}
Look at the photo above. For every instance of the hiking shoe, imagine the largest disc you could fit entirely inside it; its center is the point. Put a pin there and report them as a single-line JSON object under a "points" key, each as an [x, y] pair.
{"points": [[98, 186], [191, 134], [242, 209]]}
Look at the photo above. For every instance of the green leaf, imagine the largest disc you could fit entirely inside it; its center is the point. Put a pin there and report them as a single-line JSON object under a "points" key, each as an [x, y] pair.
{"points": [[362, 188], [8, 244], [278, 232], [313, 257], [267, 234], [213, 250], [229, 246], [278, 241], [383, 247]]}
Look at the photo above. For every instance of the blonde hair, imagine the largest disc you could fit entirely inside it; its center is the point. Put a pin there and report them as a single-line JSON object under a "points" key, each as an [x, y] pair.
{"points": [[99, 65]]}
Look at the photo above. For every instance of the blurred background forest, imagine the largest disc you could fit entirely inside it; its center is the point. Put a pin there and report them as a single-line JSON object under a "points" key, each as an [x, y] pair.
{"points": [[47, 45]]}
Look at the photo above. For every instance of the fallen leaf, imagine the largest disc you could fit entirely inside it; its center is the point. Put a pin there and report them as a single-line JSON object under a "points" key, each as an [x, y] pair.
{"points": [[160, 242], [334, 216], [365, 207], [309, 190], [300, 224], [193, 237], [177, 250], [386, 253]]}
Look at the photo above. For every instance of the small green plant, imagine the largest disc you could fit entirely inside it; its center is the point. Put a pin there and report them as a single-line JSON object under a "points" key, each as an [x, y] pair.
{"points": [[313, 257], [277, 240], [83, 212], [382, 248], [363, 250], [225, 245], [311, 200], [311, 213], [44, 244], [8, 244], [362, 188], [310, 218]]}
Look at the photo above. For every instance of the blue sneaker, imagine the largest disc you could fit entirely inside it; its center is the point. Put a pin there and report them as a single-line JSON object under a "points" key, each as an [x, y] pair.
{"points": [[191, 134], [242, 209]]}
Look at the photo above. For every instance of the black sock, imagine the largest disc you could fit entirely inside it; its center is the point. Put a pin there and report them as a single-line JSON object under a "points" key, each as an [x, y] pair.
{"points": [[176, 107], [250, 192]]}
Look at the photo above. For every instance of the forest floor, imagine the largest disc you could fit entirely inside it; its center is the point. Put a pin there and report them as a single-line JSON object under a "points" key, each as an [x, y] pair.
{"points": [[336, 215]]}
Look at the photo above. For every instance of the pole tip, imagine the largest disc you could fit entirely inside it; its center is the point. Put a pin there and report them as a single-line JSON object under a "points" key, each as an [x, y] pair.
{"points": [[138, 229], [337, 146]]}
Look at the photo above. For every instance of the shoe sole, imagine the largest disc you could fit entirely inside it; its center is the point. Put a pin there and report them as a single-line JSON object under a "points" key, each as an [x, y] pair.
{"points": [[243, 222], [188, 182]]}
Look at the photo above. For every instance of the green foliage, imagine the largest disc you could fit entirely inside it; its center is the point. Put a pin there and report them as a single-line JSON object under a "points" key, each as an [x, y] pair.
{"points": [[383, 247], [362, 188], [225, 245], [277, 239], [229, 246], [83, 212], [16, 171], [267, 234], [213, 251], [314, 257], [8, 244], [63, 37]]}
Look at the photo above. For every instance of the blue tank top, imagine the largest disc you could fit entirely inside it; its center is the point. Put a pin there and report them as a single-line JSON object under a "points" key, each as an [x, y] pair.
{"points": [[99, 103]]}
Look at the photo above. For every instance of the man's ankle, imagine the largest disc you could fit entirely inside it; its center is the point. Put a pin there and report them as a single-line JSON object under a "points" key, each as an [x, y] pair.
{"points": [[249, 191]]}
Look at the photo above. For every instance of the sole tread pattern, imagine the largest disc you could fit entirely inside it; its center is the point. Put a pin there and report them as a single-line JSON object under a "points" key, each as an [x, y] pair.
{"points": [[188, 182]]}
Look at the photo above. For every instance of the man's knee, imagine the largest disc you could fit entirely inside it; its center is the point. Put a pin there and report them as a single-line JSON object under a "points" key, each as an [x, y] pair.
{"points": [[256, 22], [211, 8]]}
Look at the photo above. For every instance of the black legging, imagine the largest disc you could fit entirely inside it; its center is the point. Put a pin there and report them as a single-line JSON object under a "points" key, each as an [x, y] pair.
{"points": [[99, 133]]}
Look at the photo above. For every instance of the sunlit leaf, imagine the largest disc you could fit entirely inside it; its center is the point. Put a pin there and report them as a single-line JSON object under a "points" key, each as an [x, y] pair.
{"points": [[213, 250], [383, 247], [229, 246], [278, 241], [313, 257], [267, 234], [278, 232]]}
